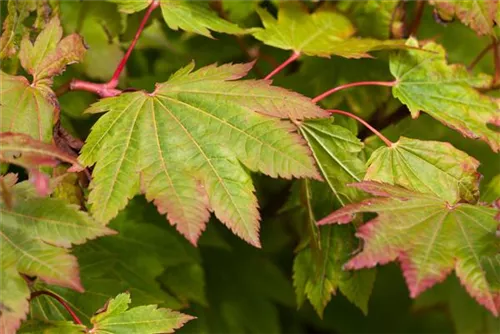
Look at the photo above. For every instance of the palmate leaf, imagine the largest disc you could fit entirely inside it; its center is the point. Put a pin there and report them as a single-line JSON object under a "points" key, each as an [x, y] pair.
{"points": [[335, 150], [30, 108], [322, 33], [115, 317], [192, 16], [34, 236], [22, 150], [429, 237], [425, 82], [185, 142], [318, 272], [13, 28], [480, 15], [427, 167]]}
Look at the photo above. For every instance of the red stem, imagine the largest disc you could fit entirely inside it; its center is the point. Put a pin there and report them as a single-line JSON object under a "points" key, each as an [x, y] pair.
{"points": [[362, 121], [353, 84], [100, 89], [109, 89], [114, 80], [60, 300], [278, 69]]}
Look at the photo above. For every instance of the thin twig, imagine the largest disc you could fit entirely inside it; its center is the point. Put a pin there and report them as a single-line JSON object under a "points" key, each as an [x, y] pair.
{"points": [[353, 84], [278, 69], [480, 56], [496, 60], [412, 31], [109, 89], [362, 121], [114, 80], [60, 300]]}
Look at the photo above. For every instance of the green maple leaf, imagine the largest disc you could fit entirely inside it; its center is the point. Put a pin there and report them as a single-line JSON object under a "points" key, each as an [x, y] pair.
{"points": [[429, 237], [115, 317], [335, 150], [30, 107], [427, 167], [24, 151], [13, 28], [185, 143], [35, 235], [318, 272], [50, 327], [322, 33], [480, 15], [425, 82], [192, 16]]}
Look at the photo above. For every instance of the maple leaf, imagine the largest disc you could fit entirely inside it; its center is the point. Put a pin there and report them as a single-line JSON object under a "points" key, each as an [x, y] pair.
{"points": [[115, 317], [335, 149], [480, 15], [13, 28], [429, 237], [425, 82], [30, 108], [428, 167], [192, 16], [22, 150], [200, 126], [34, 236], [50, 327], [322, 33]]}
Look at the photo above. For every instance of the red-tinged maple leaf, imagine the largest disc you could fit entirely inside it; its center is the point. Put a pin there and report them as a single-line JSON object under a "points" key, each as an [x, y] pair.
{"points": [[184, 146], [427, 236]]}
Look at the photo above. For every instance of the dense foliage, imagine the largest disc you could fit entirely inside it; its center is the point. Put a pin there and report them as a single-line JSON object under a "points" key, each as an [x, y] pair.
{"points": [[335, 140]]}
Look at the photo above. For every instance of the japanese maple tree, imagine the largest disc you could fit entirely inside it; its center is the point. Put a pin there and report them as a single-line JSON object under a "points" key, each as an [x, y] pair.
{"points": [[329, 138]]}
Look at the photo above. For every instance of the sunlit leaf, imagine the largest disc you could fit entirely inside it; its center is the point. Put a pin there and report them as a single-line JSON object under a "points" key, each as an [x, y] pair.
{"points": [[200, 127], [322, 33], [429, 237], [425, 82]]}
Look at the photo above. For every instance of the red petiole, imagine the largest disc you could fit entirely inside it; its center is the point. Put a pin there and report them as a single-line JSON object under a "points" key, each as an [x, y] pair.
{"points": [[278, 69], [109, 89], [362, 121], [353, 84], [60, 300]]}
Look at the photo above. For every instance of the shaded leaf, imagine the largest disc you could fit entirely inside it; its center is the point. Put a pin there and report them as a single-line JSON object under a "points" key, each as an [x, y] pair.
{"points": [[429, 237], [34, 237], [116, 317], [430, 167], [322, 33], [192, 16], [477, 14], [50, 327], [22, 150], [184, 167], [336, 150], [466, 314], [13, 28], [425, 82]]}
